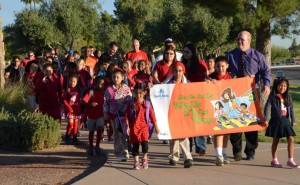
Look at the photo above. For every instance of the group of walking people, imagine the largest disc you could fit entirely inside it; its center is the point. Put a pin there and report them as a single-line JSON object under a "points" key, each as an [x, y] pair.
{"points": [[106, 89]]}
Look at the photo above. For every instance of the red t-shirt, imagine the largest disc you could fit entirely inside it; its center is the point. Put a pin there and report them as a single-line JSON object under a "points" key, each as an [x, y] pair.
{"points": [[84, 78], [30, 84], [143, 78], [98, 97], [49, 93], [72, 101], [199, 75], [137, 56], [163, 71], [132, 72], [26, 60], [216, 76]]}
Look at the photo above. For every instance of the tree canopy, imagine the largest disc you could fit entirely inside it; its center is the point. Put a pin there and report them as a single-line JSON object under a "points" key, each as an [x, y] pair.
{"points": [[211, 25]]}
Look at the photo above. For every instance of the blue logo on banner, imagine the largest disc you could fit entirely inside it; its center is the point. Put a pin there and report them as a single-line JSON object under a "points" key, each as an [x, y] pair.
{"points": [[161, 94]]}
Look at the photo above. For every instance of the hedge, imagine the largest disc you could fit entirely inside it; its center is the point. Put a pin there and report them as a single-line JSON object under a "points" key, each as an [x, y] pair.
{"points": [[22, 130], [28, 131]]}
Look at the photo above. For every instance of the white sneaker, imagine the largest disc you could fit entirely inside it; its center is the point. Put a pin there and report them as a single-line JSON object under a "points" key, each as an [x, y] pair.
{"points": [[226, 161], [122, 158], [220, 161]]}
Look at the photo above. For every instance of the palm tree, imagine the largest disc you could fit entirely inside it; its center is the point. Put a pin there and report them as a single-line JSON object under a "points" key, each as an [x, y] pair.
{"points": [[35, 2], [30, 2], [27, 2]]}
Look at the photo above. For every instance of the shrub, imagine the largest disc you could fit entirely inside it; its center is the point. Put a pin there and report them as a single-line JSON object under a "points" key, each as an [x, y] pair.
{"points": [[28, 131], [14, 98]]}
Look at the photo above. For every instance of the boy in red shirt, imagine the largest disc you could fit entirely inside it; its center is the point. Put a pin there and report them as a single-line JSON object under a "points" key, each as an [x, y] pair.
{"points": [[220, 141], [94, 100]]}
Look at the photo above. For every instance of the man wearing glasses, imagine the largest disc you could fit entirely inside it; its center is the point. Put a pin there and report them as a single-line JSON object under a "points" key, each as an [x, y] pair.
{"points": [[246, 61], [27, 59]]}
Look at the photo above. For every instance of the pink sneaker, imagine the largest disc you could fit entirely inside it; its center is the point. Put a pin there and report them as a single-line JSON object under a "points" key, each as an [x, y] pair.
{"points": [[292, 164], [145, 164], [276, 164], [136, 165]]}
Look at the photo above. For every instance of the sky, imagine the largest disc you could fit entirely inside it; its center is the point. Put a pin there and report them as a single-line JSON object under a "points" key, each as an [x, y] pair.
{"points": [[10, 7]]}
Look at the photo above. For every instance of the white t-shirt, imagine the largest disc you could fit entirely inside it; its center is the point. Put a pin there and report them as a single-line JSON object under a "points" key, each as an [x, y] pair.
{"points": [[160, 57]]}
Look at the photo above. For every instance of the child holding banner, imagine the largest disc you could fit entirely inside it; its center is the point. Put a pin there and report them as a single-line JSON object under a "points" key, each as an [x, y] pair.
{"points": [[279, 125], [179, 144], [140, 120], [220, 141]]}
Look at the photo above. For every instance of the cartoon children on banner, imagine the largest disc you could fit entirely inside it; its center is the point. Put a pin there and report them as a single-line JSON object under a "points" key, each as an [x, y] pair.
{"points": [[232, 111]]}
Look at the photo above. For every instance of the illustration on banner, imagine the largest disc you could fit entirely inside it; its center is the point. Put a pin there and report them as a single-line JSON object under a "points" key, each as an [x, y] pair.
{"points": [[233, 112]]}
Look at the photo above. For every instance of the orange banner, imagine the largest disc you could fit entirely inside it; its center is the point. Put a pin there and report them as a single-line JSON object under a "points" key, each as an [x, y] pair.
{"points": [[195, 109]]}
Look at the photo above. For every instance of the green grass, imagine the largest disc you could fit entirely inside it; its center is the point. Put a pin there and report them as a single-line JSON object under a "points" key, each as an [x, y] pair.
{"points": [[295, 91]]}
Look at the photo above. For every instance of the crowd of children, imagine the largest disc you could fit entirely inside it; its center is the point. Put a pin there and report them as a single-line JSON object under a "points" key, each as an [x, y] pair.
{"points": [[104, 93]]}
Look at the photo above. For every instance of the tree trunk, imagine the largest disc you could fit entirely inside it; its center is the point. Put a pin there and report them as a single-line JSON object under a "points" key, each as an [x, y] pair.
{"points": [[2, 56], [263, 40], [263, 31]]}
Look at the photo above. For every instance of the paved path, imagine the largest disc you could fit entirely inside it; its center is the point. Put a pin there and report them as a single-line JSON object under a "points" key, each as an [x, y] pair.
{"points": [[204, 170]]}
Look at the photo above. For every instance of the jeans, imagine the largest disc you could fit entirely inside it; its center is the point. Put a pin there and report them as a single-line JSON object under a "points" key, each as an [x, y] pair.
{"points": [[199, 143]]}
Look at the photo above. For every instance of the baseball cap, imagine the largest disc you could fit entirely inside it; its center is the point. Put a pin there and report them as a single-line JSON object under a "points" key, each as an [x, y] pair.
{"points": [[168, 40], [70, 52]]}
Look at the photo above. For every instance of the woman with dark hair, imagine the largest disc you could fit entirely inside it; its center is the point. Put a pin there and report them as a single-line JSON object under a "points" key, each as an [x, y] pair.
{"points": [[97, 54], [196, 71], [163, 68]]}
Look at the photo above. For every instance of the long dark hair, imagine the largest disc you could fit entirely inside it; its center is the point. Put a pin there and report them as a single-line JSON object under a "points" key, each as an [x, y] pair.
{"points": [[286, 95], [194, 68], [167, 48]]}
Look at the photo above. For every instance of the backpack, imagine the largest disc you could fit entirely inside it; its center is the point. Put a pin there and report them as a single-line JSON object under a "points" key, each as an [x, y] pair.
{"points": [[120, 125], [148, 120]]}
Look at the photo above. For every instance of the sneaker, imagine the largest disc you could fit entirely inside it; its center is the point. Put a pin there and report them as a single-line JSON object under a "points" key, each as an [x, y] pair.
{"points": [[275, 164], [202, 153], [225, 159], [122, 158], [209, 140], [250, 157], [145, 163], [188, 163], [292, 164], [165, 142], [220, 161], [172, 162], [75, 141], [91, 151], [237, 156], [97, 150], [68, 140], [110, 139], [136, 165]]}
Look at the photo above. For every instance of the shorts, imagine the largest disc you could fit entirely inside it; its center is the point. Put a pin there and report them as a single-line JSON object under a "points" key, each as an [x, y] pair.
{"points": [[73, 116], [94, 124]]}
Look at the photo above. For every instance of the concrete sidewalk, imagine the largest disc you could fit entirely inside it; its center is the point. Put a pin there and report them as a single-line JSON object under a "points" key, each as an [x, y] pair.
{"points": [[204, 170]]}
